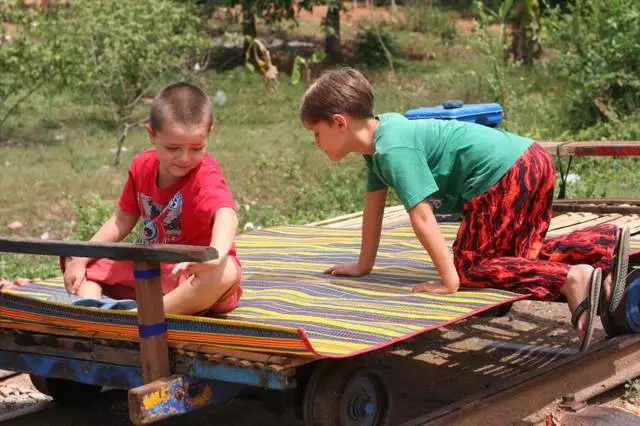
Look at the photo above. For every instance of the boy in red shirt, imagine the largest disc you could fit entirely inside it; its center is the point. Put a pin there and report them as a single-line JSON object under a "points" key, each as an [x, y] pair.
{"points": [[182, 196]]}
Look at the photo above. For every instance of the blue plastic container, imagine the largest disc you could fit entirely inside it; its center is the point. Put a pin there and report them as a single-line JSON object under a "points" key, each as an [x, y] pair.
{"points": [[488, 114]]}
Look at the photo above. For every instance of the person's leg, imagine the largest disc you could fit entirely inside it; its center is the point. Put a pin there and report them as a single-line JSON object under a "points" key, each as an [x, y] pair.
{"points": [[200, 292], [90, 289], [604, 246], [502, 234], [503, 229]]}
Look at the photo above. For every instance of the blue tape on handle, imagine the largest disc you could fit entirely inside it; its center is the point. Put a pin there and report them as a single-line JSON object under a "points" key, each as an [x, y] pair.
{"points": [[145, 275], [146, 331]]}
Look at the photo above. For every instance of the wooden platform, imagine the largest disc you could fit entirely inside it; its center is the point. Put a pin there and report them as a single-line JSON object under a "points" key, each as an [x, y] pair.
{"points": [[560, 224]]}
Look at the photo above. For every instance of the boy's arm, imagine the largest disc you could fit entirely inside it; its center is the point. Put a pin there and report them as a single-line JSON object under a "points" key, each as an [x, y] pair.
{"points": [[115, 229], [374, 202], [225, 226], [371, 227], [428, 232], [223, 232]]}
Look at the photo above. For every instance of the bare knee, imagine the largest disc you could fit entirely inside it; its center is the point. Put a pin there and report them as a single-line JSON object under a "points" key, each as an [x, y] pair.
{"points": [[216, 283]]}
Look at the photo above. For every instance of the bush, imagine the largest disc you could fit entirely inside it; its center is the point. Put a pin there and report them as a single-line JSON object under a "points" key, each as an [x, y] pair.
{"points": [[427, 17], [600, 58], [122, 48], [374, 47], [29, 61], [91, 216]]}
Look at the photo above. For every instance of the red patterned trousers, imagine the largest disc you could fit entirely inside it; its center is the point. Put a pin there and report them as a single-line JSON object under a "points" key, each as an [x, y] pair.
{"points": [[501, 241]]}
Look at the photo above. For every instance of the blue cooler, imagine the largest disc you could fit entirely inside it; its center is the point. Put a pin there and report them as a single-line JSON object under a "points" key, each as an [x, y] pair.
{"points": [[487, 114]]}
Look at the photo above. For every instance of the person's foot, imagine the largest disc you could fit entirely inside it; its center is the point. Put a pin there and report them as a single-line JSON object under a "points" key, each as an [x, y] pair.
{"points": [[576, 289]]}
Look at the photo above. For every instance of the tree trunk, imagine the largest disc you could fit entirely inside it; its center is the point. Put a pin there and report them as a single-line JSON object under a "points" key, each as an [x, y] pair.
{"points": [[525, 44], [249, 30], [332, 32]]}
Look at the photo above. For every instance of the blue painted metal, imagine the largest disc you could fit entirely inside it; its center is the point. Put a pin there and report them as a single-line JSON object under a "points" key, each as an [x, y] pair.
{"points": [[632, 303], [90, 372], [177, 395], [127, 377], [246, 376]]}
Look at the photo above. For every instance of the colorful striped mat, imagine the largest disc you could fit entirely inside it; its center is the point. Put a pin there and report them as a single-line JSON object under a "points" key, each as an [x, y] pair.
{"points": [[289, 306]]}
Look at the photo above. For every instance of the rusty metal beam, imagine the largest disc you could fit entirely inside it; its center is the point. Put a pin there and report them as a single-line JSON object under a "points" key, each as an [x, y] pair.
{"points": [[607, 365], [595, 208], [592, 148]]}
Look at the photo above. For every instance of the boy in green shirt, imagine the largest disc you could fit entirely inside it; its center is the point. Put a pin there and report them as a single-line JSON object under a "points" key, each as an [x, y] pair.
{"points": [[500, 182]]}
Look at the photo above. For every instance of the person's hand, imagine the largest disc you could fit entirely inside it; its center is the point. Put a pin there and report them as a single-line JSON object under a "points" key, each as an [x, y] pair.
{"points": [[190, 268], [432, 287], [75, 274], [350, 269]]}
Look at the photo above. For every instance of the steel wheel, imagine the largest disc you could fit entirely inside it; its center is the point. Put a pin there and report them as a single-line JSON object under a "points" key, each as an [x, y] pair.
{"points": [[344, 394]]}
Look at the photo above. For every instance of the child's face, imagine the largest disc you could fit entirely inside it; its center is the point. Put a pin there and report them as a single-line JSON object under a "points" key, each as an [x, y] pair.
{"points": [[179, 149], [331, 137]]}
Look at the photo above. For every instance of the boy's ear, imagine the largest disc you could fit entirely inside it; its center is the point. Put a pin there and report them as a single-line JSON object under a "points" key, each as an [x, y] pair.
{"points": [[150, 132], [213, 126], [339, 120]]}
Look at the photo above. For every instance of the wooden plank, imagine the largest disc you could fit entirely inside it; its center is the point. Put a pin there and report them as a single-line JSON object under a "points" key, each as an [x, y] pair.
{"points": [[570, 219], [86, 349], [595, 221], [154, 351], [174, 396], [122, 251], [623, 220], [634, 226]]}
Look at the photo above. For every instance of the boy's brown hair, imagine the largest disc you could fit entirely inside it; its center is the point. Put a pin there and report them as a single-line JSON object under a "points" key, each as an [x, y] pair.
{"points": [[344, 91], [183, 103]]}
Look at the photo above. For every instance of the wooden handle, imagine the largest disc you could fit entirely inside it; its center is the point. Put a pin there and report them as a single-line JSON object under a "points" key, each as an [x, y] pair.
{"points": [[120, 251]]}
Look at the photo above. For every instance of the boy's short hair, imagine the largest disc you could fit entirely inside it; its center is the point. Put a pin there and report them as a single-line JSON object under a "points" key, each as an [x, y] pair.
{"points": [[183, 103], [343, 91]]}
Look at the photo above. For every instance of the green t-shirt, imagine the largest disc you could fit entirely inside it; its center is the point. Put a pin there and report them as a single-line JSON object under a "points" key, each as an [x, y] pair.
{"points": [[447, 161]]}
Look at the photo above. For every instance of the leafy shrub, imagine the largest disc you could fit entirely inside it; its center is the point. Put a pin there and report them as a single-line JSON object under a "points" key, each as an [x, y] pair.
{"points": [[600, 58], [91, 216], [28, 61], [374, 47], [426, 16]]}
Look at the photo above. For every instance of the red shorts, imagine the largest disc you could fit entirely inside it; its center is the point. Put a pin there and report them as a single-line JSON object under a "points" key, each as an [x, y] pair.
{"points": [[116, 280]]}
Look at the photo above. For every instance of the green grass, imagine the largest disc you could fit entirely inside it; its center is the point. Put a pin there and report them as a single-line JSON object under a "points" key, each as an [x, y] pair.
{"points": [[59, 152]]}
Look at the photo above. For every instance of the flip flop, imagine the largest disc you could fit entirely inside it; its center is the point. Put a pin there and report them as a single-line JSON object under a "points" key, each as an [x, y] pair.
{"points": [[619, 269], [589, 306], [110, 304]]}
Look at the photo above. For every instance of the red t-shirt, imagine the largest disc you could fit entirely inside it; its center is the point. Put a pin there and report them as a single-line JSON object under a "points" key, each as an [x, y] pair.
{"points": [[181, 213]]}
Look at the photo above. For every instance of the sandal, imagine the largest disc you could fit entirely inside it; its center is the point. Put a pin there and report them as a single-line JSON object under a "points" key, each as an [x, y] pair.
{"points": [[589, 306], [609, 312], [619, 268]]}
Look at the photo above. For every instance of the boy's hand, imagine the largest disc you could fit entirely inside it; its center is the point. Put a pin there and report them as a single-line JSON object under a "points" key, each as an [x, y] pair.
{"points": [[75, 274], [191, 268], [350, 269], [433, 287]]}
